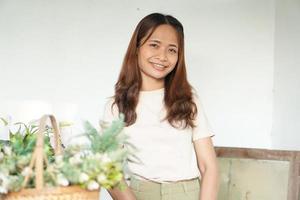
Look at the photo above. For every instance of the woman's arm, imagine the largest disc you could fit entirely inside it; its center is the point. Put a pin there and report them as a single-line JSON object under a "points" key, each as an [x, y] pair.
{"points": [[208, 166], [118, 194]]}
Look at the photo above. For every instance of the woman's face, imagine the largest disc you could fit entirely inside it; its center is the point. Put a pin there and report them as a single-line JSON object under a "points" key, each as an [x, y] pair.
{"points": [[158, 56]]}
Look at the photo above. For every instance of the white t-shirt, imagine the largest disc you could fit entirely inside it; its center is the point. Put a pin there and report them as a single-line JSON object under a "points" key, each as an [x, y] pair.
{"points": [[166, 153]]}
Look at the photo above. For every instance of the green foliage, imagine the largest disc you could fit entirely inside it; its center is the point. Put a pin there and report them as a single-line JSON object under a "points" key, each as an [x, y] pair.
{"points": [[108, 140], [15, 156], [23, 141], [99, 163]]}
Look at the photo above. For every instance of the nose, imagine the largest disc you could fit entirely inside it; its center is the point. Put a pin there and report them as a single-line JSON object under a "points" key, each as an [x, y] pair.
{"points": [[162, 55]]}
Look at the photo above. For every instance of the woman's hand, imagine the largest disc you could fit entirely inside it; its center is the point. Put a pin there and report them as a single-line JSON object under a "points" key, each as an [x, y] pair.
{"points": [[125, 194]]}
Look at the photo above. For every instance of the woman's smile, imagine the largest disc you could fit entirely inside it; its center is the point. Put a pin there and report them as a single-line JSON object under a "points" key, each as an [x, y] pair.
{"points": [[159, 67]]}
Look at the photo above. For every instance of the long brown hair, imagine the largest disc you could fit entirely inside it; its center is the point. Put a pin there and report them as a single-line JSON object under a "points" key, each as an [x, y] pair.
{"points": [[178, 97]]}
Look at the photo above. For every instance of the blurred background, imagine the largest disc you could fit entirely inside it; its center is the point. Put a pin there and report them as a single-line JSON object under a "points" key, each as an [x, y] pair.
{"points": [[243, 58]]}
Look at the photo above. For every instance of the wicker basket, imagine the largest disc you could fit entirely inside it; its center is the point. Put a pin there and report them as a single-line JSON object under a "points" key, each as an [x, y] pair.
{"points": [[38, 158]]}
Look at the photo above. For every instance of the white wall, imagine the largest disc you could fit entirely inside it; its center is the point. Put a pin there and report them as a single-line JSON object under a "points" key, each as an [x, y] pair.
{"points": [[286, 123], [67, 51], [230, 52]]}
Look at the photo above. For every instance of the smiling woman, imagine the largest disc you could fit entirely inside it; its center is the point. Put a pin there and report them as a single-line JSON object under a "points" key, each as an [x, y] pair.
{"points": [[157, 56], [164, 118]]}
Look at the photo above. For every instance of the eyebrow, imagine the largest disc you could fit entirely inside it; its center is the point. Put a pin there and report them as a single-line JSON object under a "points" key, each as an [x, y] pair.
{"points": [[155, 40]]}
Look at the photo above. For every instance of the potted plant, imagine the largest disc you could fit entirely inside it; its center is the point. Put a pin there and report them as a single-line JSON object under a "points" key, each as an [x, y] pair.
{"points": [[81, 168]]}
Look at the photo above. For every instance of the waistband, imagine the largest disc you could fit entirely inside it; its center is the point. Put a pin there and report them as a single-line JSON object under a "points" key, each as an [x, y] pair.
{"points": [[142, 178], [165, 187]]}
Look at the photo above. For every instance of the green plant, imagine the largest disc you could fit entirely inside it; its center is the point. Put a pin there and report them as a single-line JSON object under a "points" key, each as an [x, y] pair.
{"points": [[97, 164]]}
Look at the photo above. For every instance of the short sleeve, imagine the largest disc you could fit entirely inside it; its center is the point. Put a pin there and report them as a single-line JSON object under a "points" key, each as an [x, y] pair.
{"points": [[110, 111], [203, 128]]}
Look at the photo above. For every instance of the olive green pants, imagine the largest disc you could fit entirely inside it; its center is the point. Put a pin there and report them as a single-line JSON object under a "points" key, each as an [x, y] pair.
{"points": [[182, 190]]}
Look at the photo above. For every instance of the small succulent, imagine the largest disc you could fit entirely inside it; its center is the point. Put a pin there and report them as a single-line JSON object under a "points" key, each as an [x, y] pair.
{"points": [[15, 156]]}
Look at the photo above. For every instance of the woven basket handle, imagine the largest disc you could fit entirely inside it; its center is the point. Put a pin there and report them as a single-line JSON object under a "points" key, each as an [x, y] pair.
{"points": [[38, 156]]}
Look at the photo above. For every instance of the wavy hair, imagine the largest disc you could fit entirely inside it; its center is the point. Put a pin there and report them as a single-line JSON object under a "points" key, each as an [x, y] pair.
{"points": [[178, 97]]}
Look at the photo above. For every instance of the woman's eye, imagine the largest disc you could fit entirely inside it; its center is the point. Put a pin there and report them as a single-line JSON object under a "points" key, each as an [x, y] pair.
{"points": [[173, 50], [153, 45]]}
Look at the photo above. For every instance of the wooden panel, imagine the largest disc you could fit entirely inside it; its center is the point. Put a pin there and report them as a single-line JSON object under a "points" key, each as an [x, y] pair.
{"points": [[258, 174], [252, 179]]}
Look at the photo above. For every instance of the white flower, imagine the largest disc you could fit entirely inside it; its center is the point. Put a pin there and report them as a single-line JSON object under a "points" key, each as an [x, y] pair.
{"points": [[58, 159], [1, 156], [61, 180], [97, 156], [3, 184], [83, 177], [76, 159], [105, 159], [81, 153], [26, 171], [93, 185], [7, 150], [87, 152], [3, 190], [101, 178]]}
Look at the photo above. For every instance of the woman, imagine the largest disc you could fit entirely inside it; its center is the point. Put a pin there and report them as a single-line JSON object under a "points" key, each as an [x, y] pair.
{"points": [[164, 119]]}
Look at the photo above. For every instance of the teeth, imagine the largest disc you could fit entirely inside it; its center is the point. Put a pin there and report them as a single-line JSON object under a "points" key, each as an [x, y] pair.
{"points": [[159, 66]]}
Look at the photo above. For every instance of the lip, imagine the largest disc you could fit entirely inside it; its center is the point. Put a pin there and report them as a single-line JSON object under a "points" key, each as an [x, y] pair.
{"points": [[158, 66]]}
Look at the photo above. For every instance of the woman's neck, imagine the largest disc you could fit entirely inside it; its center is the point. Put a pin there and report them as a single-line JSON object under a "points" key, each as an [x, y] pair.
{"points": [[149, 84], [152, 86]]}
